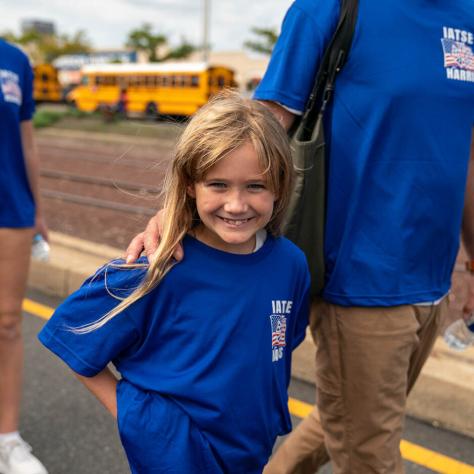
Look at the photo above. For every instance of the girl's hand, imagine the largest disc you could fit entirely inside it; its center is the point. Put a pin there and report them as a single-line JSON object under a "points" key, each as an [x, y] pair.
{"points": [[149, 240]]}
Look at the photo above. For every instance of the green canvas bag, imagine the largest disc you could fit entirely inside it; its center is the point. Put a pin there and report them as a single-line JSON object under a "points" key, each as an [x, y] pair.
{"points": [[305, 220]]}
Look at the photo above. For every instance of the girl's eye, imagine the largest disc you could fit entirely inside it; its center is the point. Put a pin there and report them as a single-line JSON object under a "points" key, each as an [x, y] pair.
{"points": [[217, 185], [256, 186]]}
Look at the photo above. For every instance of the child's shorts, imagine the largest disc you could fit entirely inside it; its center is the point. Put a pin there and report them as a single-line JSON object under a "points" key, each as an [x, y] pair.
{"points": [[158, 437]]}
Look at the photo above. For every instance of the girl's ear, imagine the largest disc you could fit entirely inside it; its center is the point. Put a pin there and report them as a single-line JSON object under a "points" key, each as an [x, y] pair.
{"points": [[191, 190]]}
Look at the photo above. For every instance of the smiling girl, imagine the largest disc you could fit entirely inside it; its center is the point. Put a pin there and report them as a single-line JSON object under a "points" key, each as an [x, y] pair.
{"points": [[203, 346]]}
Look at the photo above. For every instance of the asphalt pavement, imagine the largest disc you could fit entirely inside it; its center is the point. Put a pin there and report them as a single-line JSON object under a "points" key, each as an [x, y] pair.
{"points": [[72, 434]]}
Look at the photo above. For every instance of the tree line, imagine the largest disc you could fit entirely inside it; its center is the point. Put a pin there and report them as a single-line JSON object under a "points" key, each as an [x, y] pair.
{"points": [[47, 47]]}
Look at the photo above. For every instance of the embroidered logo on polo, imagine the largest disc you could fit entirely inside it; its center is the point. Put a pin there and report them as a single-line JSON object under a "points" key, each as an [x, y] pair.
{"points": [[458, 53], [280, 310], [10, 85]]}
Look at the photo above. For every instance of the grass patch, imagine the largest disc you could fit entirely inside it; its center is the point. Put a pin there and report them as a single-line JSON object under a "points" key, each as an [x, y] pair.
{"points": [[46, 118], [63, 117], [94, 123]]}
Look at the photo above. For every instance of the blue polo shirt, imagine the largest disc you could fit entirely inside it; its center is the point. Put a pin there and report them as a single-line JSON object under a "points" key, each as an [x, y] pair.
{"points": [[214, 338], [398, 134], [17, 207]]}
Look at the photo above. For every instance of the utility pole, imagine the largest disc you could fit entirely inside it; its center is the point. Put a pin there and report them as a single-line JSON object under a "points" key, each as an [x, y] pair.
{"points": [[205, 36]]}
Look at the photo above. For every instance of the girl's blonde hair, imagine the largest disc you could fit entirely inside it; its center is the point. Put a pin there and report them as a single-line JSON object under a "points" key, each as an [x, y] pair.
{"points": [[225, 123]]}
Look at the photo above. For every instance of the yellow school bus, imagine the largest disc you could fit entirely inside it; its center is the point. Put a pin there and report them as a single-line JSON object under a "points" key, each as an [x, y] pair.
{"points": [[151, 89], [46, 87]]}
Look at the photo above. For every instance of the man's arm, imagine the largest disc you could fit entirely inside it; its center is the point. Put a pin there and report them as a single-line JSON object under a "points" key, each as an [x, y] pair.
{"points": [[468, 227], [148, 240], [103, 386], [32, 169]]}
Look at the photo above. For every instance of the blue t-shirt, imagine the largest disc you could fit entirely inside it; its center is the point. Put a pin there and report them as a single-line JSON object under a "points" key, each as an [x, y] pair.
{"points": [[215, 337], [398, 133], [17, 207]]}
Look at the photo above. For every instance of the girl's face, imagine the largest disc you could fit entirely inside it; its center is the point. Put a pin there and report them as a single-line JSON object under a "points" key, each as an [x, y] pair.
{"points": [[233, 202]]}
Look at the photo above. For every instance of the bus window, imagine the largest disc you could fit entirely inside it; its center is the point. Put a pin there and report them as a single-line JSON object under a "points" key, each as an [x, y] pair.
{"points": [[194, 81], [173, 81], [84, 80], [150, 81]]}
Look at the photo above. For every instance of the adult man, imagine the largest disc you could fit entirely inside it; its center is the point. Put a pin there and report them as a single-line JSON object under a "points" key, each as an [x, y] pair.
{"points": [[398, 135], [398, 132]]}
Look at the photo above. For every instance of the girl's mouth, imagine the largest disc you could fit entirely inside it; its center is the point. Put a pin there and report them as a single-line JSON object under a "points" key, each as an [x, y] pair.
{"points": [[235, 222]]}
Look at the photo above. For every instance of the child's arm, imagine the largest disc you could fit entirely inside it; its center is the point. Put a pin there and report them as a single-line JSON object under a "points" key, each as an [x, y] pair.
{"points": [[103, 386]]}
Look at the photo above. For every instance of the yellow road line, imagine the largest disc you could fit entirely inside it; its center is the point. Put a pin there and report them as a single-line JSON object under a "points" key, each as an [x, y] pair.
{"points": [[410, 451], [299, 408], [432, 460], [37, 309]]}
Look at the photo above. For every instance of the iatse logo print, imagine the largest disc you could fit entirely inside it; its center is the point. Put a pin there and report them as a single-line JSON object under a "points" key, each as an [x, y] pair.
{"points": [[10, 85], [280, 310], [458, 54]]}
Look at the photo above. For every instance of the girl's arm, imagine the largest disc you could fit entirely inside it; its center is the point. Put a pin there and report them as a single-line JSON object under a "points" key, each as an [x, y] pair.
{"points": [[32, 169], [103, 386]]}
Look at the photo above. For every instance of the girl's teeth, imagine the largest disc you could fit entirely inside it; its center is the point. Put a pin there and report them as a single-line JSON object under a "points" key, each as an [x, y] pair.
{"points": [[235, 222]]}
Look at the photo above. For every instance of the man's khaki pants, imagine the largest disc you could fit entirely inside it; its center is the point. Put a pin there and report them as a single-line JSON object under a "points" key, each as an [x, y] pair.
{"points": [[367, 361]]}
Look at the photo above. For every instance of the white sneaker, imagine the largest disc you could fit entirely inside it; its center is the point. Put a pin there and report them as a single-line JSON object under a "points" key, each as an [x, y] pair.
{"points": [[16, 458]]}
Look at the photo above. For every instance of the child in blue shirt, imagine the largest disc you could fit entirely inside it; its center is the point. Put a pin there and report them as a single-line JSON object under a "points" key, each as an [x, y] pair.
{"points": [[203, 346]]}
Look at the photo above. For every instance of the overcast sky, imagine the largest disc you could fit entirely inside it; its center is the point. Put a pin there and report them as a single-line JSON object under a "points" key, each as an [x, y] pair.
{"points": [[107, 22]]}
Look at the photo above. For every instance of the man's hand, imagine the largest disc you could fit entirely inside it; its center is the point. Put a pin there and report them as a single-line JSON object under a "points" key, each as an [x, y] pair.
{"points": [[468, 228], [148, 240], [469, 305]]}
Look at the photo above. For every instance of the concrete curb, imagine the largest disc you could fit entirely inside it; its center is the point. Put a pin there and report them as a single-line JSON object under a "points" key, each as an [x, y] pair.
{"points": [[443, 395]]}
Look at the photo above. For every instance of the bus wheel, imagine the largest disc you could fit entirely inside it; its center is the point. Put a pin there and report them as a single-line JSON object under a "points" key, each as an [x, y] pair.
{"points": [[151, 111]]}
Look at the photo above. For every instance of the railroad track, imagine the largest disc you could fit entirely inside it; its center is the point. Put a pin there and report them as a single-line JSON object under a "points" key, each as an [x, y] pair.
{"points": [[68, 153], [97, 203], [100, 181]]}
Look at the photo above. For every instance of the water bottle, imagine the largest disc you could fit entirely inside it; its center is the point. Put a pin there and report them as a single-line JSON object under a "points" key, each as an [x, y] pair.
{"points": [[460, 334], [40, 248]]}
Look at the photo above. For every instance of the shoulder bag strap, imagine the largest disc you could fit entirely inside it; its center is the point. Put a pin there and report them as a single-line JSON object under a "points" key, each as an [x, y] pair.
{"points": [[333, 60]]}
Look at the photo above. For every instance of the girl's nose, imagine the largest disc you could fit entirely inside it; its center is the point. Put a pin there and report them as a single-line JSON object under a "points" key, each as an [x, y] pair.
{"points": [[236, 203]]}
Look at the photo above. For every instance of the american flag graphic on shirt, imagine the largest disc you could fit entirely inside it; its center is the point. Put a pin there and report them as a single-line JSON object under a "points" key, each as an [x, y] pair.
{"points": [[9, 83], [278, 322], [457, 54]]}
